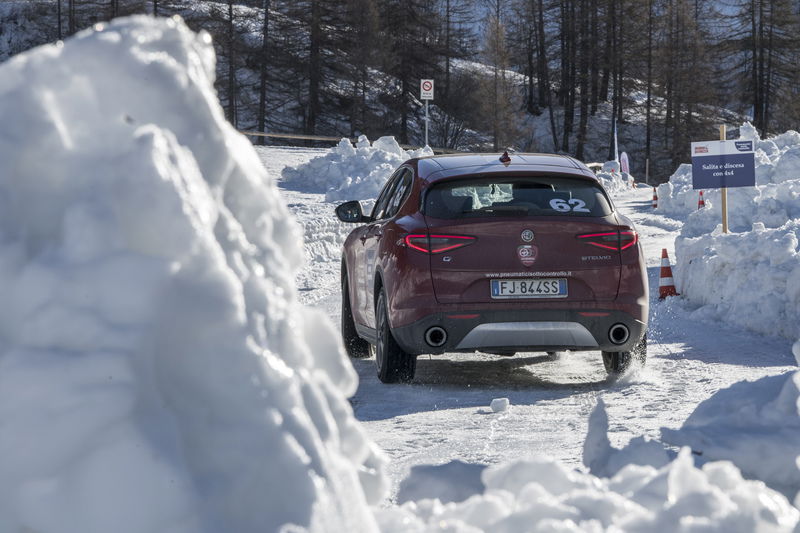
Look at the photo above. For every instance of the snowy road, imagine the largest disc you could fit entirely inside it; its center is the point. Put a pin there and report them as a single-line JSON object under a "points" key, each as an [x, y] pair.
{"points": [[444, 414]]}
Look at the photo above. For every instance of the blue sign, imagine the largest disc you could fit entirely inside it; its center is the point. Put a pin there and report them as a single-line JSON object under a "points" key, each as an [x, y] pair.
{"points": [[718, 164]]}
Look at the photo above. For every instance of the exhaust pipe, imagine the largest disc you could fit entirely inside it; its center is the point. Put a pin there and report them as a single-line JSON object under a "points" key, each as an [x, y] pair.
{"points": [[436, 336], [619, 334]]}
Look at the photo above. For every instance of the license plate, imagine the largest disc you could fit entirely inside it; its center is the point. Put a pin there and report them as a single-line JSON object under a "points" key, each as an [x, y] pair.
{"points": [[529, 288]]}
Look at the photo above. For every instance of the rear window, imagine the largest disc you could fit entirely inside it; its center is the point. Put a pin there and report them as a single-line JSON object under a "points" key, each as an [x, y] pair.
{"points": [[516, 197]]}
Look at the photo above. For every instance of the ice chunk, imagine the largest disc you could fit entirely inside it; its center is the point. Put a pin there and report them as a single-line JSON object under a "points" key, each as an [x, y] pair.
{"points": [[499, 405]]}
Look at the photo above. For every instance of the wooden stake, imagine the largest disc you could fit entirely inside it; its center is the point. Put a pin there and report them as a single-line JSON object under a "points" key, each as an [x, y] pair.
{"points": [[722, 136]]}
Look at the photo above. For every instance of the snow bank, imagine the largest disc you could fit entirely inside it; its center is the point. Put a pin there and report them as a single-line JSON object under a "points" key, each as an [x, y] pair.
{"points": [[756, 425], [751, 276], [541, 494], [351, 173], [750, 279], [614, 181], [156, 372]]}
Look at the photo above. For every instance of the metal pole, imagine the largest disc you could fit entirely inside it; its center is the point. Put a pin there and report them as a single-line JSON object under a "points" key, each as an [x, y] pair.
{"points": [[647, 171], [426, 123], [722, 136]]}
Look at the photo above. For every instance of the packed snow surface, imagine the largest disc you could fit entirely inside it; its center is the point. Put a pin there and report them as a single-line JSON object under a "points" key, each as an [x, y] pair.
{"points": [[351, 173], [156, 371], [750, 276]]}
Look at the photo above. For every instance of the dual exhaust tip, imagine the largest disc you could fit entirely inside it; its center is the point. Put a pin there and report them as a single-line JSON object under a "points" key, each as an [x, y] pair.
{"points": [[436, 336]]}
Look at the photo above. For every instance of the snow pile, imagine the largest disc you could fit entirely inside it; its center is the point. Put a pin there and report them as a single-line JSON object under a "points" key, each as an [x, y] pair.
{"points": [[351, 173], [451, 482], [750, 279], [156, 372], [614, 181], [542, 494], [751, 276], [756, 425]]}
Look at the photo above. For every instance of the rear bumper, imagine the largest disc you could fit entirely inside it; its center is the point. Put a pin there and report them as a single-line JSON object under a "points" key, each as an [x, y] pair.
{"points": [[517, 330]]}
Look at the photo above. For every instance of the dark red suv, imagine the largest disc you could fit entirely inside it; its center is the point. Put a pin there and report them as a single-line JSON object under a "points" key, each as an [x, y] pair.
{"points": [[488, 253]]}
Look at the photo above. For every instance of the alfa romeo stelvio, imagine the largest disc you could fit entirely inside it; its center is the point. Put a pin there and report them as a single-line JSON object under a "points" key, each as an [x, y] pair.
{"points": [[492, 253]]}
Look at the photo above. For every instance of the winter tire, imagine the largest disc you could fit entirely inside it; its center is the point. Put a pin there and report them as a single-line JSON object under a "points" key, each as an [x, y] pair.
{"points": [[393, 364], [355, 346], [618, 362]]}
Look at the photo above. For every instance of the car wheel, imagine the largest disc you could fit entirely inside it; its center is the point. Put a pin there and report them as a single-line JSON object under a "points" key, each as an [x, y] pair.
{"points": [[618, 362], [394, 365], [355, 346]]}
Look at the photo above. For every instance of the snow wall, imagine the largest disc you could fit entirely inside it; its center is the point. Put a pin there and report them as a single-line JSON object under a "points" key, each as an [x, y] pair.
{"points": [[351, 173], [156, 372], [359, 173], [751, 276]]}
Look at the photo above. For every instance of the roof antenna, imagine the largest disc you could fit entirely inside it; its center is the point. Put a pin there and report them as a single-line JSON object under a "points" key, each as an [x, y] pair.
{"points": [[505, 159]]}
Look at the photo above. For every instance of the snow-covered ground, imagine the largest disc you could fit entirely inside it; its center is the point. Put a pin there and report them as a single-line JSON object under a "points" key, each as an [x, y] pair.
{"points": [[167, 364]]}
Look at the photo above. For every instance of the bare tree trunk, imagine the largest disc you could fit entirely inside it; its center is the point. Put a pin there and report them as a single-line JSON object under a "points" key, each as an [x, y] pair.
{"points": [[155, 8], [446, 91], [231, 68], [648, 111], [584, 79], [754, 51], [314, 74], [595, 59], [768, 77], [262, 86], [58, 15], [618, 84], [529, 51], [545, 77], [569, 107], [71, 16], [609, 53]]}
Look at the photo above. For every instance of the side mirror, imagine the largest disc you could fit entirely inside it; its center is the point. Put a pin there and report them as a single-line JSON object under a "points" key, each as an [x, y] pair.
{"points": [[351, 212]]}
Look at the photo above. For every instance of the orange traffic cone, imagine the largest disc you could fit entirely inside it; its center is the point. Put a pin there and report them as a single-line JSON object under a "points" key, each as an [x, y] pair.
{"points": [[655, 198], [701, 203], [666, 285]]}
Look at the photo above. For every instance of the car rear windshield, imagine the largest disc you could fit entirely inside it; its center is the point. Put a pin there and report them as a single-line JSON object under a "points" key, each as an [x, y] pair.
{"points": [[516, 197]]}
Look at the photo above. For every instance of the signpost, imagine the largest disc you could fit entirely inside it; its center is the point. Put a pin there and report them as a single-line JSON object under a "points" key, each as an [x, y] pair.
{"points": [[426, 93], [722, 164]]}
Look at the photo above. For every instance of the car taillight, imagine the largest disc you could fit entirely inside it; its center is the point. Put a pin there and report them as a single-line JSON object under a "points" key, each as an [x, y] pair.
{"points": [[435, 244], [611, 240]]}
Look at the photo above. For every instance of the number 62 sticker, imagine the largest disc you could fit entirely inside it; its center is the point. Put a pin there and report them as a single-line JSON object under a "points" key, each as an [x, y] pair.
{"points": [[564, 206]]}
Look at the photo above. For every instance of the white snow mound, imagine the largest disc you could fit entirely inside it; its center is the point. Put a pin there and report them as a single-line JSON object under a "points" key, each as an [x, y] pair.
{"points": [[613, 179], [156, 372], [541, 494], [756, 425], [351, 173]]}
